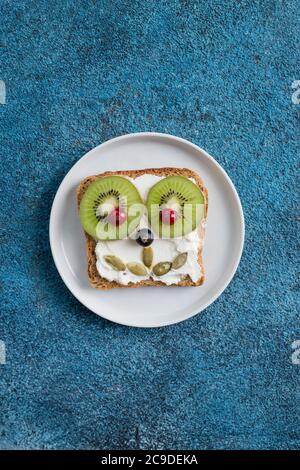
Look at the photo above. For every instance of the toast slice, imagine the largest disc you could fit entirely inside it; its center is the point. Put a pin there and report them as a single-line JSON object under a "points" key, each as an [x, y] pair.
{"points": [[98, 282]]}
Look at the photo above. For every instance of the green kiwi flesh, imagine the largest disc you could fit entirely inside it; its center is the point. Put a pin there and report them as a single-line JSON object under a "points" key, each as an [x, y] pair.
{"points": [[180, 194], [110, 192]]}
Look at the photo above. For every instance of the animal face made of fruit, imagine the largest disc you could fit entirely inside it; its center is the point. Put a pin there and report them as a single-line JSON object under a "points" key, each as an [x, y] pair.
{"points": [[112, 208]]}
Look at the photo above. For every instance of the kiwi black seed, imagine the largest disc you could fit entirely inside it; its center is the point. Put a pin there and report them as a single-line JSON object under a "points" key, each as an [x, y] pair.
{"points": [[109, 192]]}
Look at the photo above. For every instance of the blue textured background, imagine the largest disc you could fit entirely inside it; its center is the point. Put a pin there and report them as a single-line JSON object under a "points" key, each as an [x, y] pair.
{"points": [[218, 73]]}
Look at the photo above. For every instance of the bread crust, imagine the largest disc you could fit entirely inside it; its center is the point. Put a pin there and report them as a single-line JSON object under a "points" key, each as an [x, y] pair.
{"points": [[98, 282]]}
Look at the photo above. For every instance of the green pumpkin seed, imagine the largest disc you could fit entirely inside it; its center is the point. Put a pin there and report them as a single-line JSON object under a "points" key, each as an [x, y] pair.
{"points": [[162, 268], [148, 256], [137, 268], [115, 262], [179, 261]]}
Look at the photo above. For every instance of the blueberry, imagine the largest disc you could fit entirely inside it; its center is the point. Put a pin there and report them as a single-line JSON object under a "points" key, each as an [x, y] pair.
{"points": [[144, 237]]}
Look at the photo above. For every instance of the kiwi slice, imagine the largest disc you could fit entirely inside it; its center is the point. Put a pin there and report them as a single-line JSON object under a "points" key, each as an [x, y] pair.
{"points": [[181, 195], [105, 195]]}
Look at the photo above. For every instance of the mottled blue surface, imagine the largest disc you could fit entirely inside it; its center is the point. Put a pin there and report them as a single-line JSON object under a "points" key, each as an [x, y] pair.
{"points": [[218, 73]]}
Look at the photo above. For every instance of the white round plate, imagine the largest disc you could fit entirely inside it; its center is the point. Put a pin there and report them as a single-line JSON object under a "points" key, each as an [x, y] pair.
{"points": [[149, 306]]}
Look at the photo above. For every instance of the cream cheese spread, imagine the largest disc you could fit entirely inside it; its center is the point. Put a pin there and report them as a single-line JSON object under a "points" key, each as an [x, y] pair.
{"points": [[164, 249]]}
